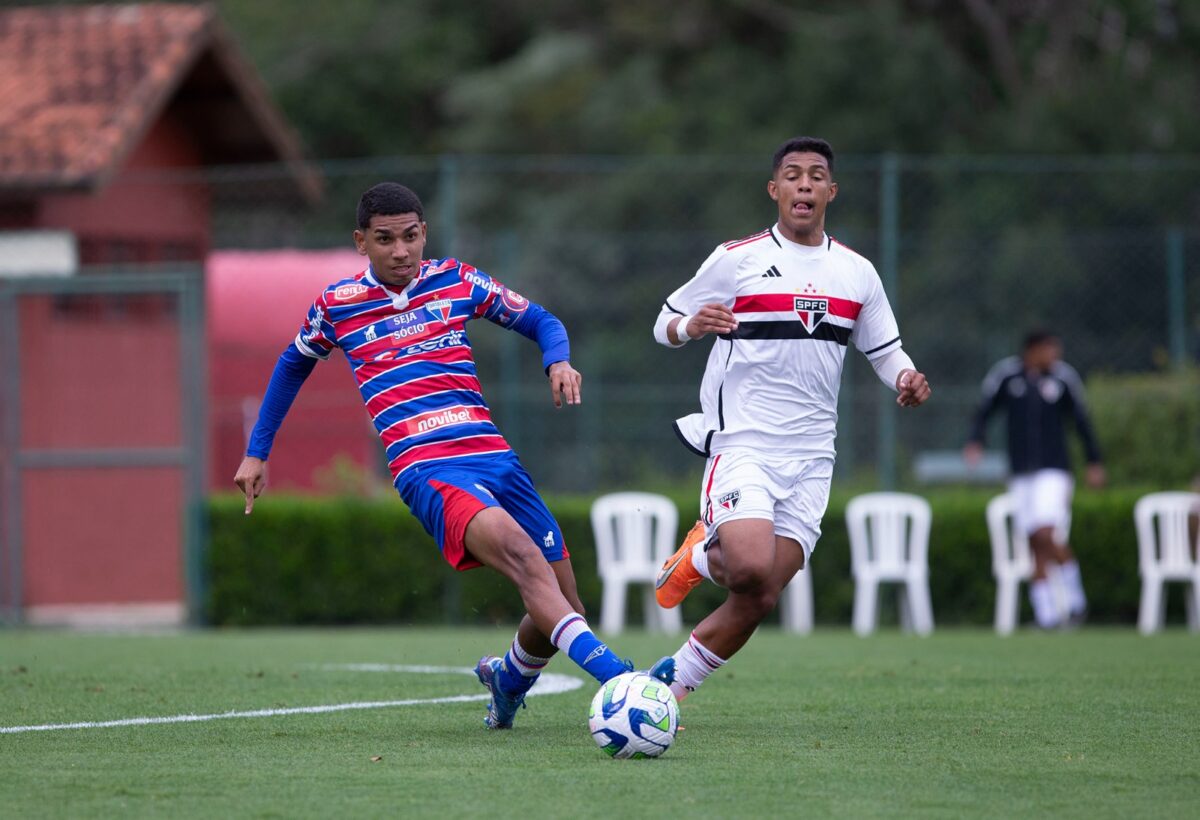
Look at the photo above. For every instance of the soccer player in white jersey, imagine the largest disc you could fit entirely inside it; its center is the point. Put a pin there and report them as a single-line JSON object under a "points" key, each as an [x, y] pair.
{"points": [[783, 305]]}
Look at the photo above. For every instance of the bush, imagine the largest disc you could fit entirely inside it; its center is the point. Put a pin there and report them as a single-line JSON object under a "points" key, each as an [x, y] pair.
{"points": [[340, 561], [1148, 425]]}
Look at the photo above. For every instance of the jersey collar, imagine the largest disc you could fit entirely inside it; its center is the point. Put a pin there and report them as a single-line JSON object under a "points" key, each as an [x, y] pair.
{"points": [[400, 299], [807, 251]]}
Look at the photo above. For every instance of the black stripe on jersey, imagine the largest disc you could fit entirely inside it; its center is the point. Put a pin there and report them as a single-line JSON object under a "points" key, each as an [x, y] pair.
{"points": [[707, 441], [672, 308], [825, 332], [773, 238], [881, 347], [721, 390]]}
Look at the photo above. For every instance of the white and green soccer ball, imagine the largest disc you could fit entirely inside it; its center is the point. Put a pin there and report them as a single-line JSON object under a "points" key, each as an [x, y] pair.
{"points": [[634, 715]]}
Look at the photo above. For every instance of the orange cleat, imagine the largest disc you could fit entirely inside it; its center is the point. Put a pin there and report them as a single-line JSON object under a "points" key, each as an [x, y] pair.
{"points": [[678, 576]]}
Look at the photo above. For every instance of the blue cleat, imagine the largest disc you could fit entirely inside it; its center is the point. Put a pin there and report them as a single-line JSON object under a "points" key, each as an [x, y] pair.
{"points": [[664, 670], [502, 708]]}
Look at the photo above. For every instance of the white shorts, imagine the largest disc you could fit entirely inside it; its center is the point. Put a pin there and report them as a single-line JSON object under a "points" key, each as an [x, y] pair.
{"points": [[792, 493], [1042, 499]]}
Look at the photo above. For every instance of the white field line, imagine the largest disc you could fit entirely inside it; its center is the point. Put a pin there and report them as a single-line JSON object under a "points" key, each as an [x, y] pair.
{"points": [[548, 684]]}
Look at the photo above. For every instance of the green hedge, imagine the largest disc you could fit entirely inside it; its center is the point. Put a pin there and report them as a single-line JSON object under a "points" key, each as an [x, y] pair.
{"points": [[1148, 425], [339, 561]]}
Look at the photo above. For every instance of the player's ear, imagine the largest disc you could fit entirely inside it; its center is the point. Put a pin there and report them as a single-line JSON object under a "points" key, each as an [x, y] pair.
{"points": [[360, 242], [833, 189], [772, 189]]}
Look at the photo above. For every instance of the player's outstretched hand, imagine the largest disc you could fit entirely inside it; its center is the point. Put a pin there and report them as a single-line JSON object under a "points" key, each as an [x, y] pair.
{"points": [[565, 383], [251, 477], [914, 389]]}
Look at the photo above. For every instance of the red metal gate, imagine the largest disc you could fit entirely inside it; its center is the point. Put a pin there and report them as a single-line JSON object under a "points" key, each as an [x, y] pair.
{"points": [[103, 445]]}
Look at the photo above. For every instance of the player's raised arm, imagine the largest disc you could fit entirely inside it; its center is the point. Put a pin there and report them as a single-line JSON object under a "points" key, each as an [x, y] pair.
{"points": [[513, 311]]}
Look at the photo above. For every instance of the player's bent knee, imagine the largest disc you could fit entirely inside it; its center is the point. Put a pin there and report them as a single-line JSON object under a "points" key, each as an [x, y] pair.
{"points": [[747, 579]]}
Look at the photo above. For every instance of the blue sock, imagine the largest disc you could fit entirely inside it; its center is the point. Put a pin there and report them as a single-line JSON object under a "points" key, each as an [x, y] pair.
{"points": [[520, 669], [572, 636]]}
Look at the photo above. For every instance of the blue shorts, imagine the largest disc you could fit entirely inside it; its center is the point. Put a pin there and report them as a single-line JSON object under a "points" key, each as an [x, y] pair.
{"points": [[445, 496]]}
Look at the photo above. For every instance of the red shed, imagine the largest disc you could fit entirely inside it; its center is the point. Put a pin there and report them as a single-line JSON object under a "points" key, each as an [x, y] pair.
{"points": [[109, 111]]}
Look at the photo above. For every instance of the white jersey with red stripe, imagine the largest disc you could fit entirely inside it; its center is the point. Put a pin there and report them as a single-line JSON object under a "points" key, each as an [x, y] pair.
{"points": [[773, 383]]}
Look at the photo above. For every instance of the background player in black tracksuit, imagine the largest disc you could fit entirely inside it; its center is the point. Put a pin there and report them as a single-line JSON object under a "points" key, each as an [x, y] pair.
{"points": [[1041, 395]]}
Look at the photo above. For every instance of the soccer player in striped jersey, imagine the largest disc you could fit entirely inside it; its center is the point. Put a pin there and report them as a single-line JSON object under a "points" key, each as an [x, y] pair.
{"points": [[783, 303], [401, 325]]}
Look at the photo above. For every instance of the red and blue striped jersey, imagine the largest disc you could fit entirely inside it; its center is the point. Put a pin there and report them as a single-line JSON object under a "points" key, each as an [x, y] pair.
{"points": [[412, 360]]}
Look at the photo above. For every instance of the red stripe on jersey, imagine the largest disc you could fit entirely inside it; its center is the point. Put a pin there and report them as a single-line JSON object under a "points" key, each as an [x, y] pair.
{"points": [[474, 445], [746, 240], [844, 245], [786, 303], [708, 489], [417, 388]]}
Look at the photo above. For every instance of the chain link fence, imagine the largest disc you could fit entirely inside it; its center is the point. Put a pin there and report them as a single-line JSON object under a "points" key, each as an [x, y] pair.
{"points": [[974, 252]]}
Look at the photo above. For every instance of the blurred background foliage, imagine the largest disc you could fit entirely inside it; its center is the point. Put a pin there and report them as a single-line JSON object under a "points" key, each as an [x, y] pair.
{"points": [[1004, 163], [379, 77]]}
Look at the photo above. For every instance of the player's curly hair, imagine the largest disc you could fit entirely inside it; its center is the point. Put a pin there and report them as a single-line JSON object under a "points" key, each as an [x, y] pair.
{"points": [[801, 145], [388, 199]]}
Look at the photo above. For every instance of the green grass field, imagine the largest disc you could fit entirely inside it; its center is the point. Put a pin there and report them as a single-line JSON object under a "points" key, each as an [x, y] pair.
{"points": [[1092, 724]]}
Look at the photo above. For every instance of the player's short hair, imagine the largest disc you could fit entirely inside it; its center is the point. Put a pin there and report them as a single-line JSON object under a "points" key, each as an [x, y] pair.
{"points": [[388, 199], [802, 145], [1037, 336]]}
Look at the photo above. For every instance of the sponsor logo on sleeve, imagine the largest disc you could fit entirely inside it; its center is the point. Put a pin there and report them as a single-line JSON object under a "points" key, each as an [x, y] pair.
{"points": [[314, 326], [513, 301], [481, 281]]}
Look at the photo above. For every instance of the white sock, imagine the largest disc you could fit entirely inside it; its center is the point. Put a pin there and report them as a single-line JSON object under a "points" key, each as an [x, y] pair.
{"points": [[1076, 600], [1042, 598], [700, 560], [526, 664], [693, 663]]}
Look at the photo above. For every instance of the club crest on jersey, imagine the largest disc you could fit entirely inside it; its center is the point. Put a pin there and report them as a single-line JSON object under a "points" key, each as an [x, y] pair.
{"points": [[440, 309], [811, 311], [730, 500], [515, 302]]}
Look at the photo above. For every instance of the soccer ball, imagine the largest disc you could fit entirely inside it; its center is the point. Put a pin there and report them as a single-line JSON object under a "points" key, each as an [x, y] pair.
{"points": [[634, 715]]}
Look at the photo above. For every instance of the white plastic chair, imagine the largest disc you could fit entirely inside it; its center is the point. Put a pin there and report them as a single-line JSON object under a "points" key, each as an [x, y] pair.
{"points": [[1166, 552], [796, 603], [635, 533], [889, 541], [1012, 563]]}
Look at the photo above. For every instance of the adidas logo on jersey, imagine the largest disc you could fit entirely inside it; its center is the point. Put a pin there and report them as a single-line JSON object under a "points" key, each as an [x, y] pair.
{"points": [[771, 273]]}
